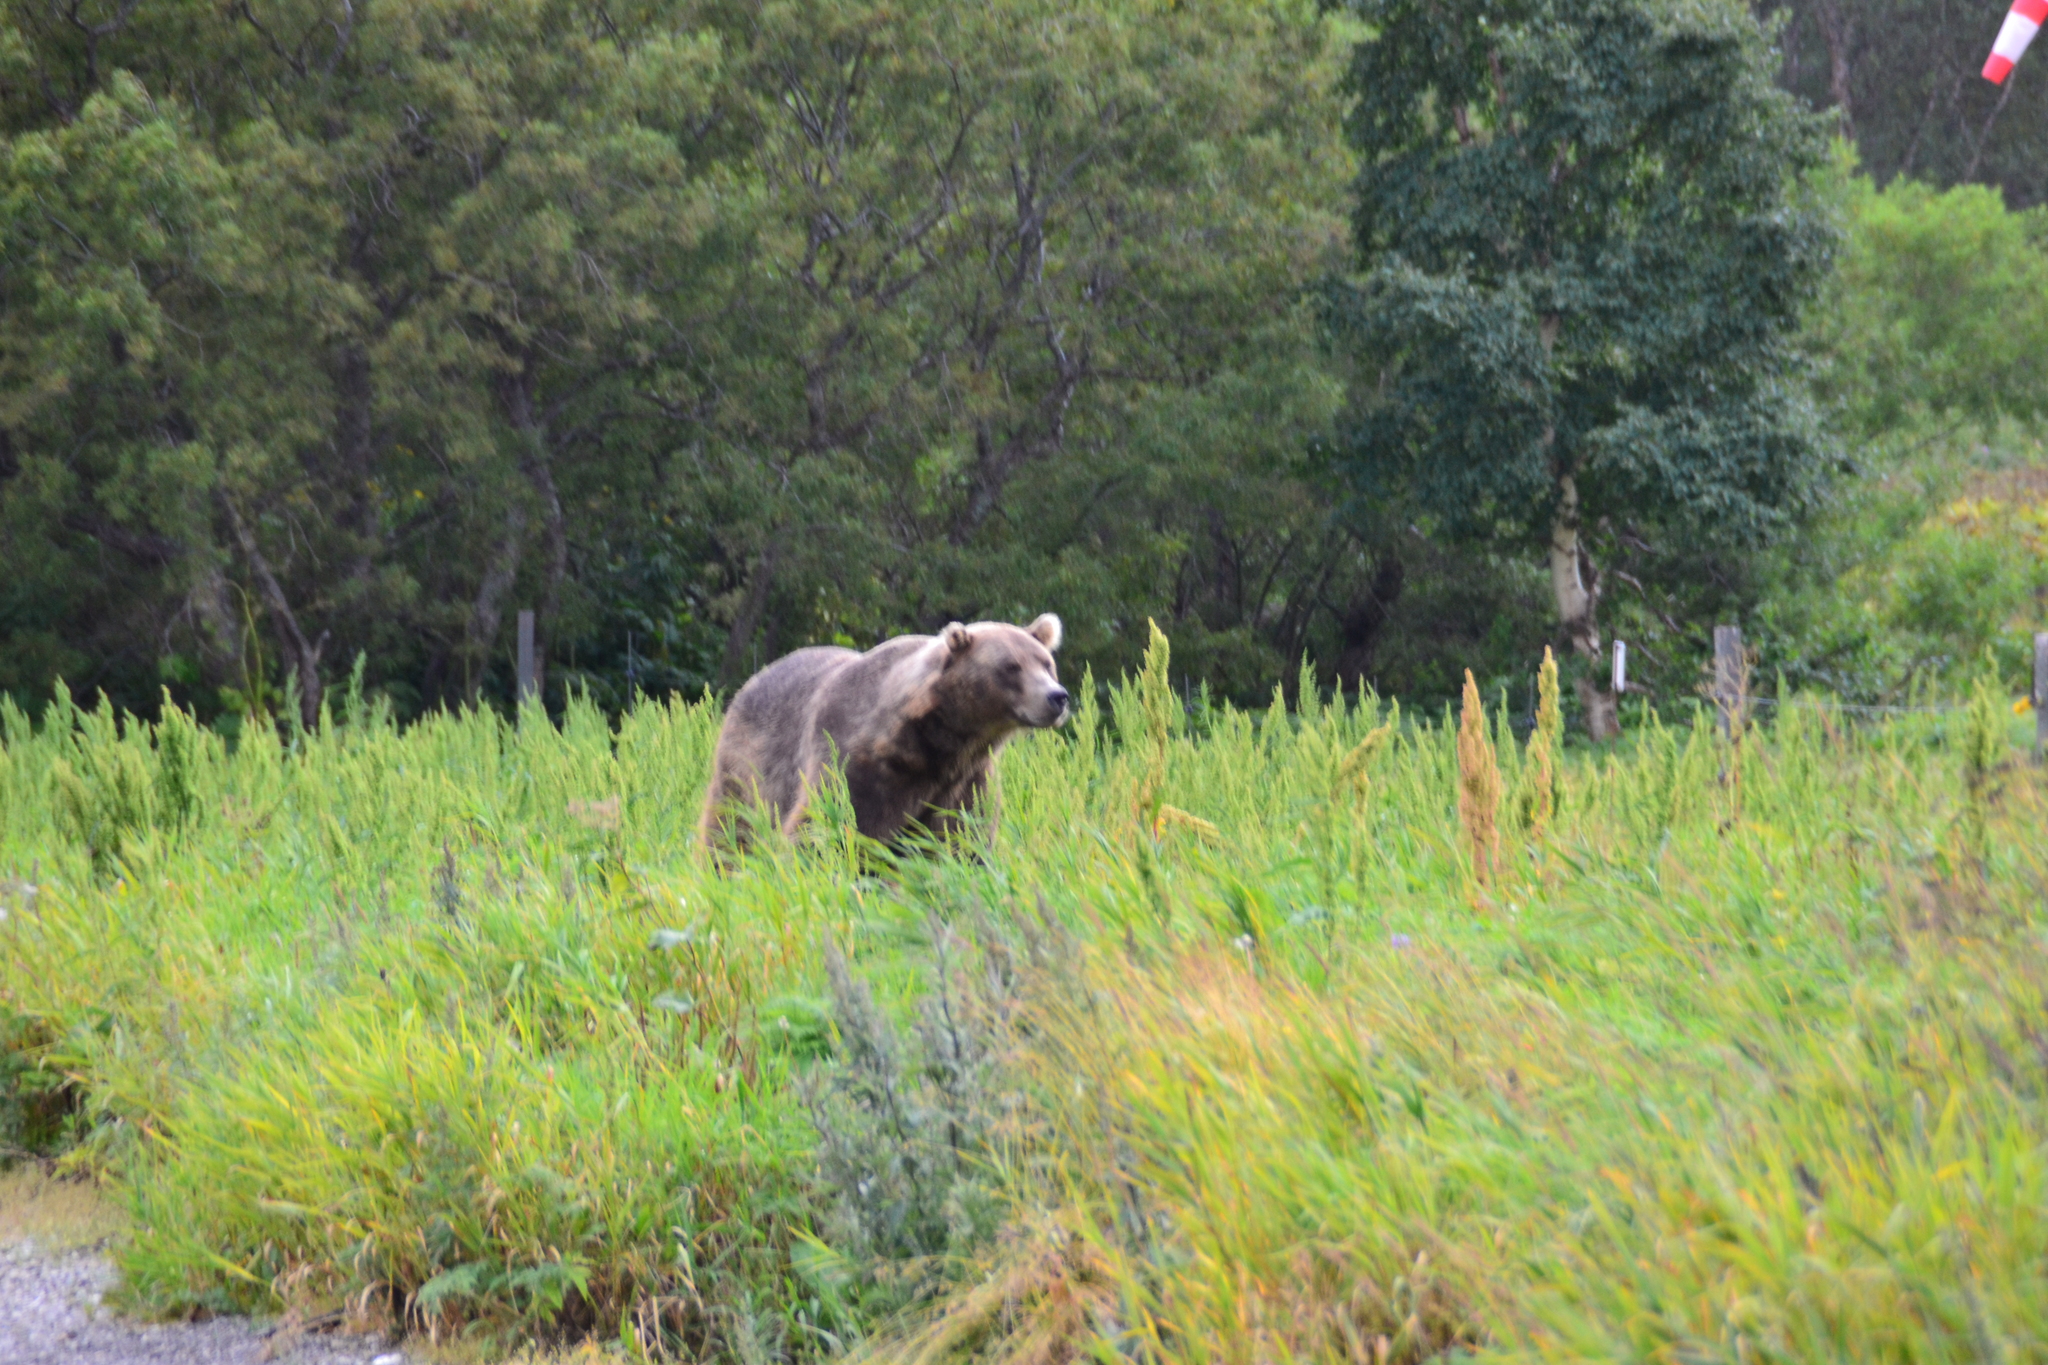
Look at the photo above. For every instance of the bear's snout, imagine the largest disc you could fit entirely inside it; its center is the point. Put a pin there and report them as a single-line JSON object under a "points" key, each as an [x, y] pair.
{"points": [[1055, 706]]}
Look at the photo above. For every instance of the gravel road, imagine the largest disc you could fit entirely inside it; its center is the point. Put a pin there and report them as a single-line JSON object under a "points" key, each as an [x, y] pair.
{"points": [[50, 1315]]}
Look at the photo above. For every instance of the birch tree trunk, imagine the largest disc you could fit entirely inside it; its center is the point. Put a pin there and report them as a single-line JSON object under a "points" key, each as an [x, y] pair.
{"points": [[1574, 582], [480, 633], [303, 654]]}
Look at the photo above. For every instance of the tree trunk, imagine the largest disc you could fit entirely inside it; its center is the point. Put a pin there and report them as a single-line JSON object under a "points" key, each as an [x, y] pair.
{"points": [[752, 607], [533, 463], [1363, 621], [997, 460], [1603, 711], [1575, 584], [481, 632], [1838, 33], [210, 606], [304, 656]]}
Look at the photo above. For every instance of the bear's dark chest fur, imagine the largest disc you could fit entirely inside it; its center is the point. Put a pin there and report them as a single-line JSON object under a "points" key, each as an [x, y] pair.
{"points": [[922, 774]]}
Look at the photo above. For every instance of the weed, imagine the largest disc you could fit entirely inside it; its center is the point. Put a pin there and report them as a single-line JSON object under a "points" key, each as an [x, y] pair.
{"points": [[1479, 788], [908, 1130], [455, 1027], [1538, 804]]}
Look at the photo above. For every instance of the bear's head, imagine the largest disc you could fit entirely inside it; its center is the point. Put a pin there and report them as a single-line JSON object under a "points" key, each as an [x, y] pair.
{"points": [[996, 677]]}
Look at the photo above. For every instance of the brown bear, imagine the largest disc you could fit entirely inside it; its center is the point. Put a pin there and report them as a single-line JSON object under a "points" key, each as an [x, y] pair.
{"points": [[915, 723]]}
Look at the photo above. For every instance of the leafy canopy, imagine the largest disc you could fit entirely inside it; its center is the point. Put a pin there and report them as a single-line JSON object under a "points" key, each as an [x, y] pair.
{"points": [[331, 328], [1940, 306], [1585, 254]]}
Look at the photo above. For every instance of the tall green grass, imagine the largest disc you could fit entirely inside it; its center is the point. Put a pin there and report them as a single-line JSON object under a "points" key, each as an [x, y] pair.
{"points": [[1743, 1057]]}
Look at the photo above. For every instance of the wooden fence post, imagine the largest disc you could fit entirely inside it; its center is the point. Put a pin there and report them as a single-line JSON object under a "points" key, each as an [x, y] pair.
{"points": [[1727, 675], [2041, 695], [529, 674]]}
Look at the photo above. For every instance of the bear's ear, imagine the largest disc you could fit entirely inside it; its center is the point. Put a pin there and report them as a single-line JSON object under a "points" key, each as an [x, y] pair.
{"points": [[1046, 630], [957, 638]]}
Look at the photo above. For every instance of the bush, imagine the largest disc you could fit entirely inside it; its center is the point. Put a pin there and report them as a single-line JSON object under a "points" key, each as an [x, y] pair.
{"points": [[37, 1102], [909, 1133], [454, 1026], [1940, 306], [1918, 573]]}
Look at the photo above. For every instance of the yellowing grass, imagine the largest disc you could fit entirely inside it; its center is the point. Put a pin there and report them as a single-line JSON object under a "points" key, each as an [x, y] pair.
{"points": [[53, 1213], [1744, 1058]]}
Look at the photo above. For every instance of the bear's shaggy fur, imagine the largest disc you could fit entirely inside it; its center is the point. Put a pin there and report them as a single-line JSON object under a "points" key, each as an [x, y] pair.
{"points": [[915, 723]]}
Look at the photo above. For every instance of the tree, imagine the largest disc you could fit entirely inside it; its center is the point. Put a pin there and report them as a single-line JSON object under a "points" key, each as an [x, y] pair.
{"points": [[1585, 254], [1023, 326], [333, 328], [1940, 307], [122, 265], [442, 252], [1902, 78]]}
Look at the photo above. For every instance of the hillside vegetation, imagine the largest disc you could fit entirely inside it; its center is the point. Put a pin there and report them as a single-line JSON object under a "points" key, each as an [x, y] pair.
{"points": [[1376, 349], [1928, 557], [1254, 1036], [706, 329]]}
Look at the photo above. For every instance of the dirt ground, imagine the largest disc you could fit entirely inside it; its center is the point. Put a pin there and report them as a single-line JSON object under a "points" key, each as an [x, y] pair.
{"points": [[54, 1272]]}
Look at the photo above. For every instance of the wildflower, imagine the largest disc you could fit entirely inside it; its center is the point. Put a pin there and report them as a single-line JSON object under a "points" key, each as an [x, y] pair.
{"points": [[1478, 787], [1540, 774]]}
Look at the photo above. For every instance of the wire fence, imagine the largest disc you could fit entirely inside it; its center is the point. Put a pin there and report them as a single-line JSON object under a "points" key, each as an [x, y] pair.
{"points": [[1524, 722], [1861, 708]]}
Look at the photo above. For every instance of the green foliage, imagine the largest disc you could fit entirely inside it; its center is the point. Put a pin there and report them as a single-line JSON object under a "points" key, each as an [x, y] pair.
{"points": [[1585, 257], [120, 786], [1940, 308], [1934, 552], [909, 1134], [347, 347], [1987, 748], [1663, 1103], [116, 224], [1937, 555], [731, 327], [452, 1025], [489, 1190], [1902, 78], [36, 1100]]}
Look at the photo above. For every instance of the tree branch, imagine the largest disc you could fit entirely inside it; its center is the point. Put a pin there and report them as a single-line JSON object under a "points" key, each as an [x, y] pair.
{"points": [[305, 656]]}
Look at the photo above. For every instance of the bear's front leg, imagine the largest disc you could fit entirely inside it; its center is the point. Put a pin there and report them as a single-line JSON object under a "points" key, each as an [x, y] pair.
{"points": [[885, 797]]}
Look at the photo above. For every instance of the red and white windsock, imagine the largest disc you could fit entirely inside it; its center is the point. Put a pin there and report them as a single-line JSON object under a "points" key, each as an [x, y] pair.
{"points": [[2022, 22]]}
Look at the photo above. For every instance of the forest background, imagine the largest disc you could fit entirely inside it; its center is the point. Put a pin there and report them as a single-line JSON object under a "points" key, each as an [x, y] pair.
{"points": [[710, 328]]}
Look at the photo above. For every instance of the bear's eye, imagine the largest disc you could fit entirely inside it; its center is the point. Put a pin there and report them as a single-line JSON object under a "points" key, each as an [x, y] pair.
{"points": [[1013, 669]]}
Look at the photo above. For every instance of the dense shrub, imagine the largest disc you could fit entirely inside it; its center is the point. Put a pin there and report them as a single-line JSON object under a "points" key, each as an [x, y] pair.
{"points": [[452, 1027]]}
